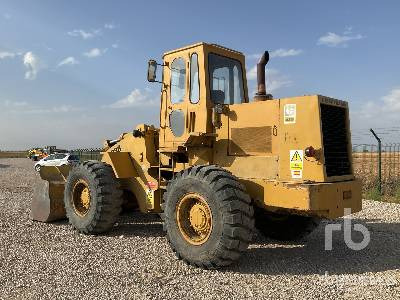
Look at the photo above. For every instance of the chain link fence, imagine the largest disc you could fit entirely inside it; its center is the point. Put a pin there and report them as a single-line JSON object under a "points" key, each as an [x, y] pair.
{"points": [[380, 174], [88, 153]]}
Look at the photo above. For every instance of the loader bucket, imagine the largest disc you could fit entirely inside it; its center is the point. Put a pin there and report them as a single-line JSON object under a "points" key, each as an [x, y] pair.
{"points": [[55, 174], [48, 195]]}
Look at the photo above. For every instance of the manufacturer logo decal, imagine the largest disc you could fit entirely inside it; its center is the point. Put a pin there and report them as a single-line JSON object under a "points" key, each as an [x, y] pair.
{"points": [[289, 114]]}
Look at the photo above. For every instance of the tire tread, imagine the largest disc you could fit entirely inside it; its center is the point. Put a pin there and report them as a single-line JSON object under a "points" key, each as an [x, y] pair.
{"points": [[238, 215], [107, 193]]}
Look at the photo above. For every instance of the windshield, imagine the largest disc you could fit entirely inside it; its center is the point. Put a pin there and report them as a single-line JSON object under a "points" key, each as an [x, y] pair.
{"points": [[226, 80]]}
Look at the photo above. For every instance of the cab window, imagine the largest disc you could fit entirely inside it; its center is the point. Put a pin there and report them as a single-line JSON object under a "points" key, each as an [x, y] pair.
{"points": [[194, 79], [226, 80], [178, 80]]}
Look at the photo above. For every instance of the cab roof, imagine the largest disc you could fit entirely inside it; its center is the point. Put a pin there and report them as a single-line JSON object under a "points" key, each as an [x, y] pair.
{"points": [[201, 44]]}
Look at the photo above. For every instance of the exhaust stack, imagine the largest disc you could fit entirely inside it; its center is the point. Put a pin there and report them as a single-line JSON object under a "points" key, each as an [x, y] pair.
{"points": [[261, 94]]}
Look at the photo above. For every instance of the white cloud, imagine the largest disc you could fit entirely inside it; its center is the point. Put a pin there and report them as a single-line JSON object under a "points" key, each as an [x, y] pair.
{"points": [[55, 109], [285, 52], [95, 52], [392, 101], [134, 99], [332, 39], [380, 113], [7, 16], [68, 61], [85, 34], [275, 80], [252, 73], [23, 107], [115, 45], [388, 105], [5, 54], [110, 26], [50, 110], [31, 62], [9, 103], [282, 52]]}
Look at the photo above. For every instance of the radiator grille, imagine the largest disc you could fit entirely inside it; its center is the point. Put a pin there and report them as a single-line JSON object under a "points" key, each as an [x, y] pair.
{"points": [[335, 140], [250, 140]]}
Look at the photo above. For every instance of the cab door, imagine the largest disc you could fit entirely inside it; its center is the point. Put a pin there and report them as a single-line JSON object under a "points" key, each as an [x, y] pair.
{"points": [[177, 101], [183, 108]]}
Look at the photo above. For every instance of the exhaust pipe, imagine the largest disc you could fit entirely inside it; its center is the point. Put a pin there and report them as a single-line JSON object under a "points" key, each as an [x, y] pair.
{"points": [[261, 94]]}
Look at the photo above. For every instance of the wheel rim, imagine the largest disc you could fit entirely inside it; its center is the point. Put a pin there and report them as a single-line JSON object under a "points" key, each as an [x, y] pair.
{"points": [[194, 218], [81, 198], [38, 168]]}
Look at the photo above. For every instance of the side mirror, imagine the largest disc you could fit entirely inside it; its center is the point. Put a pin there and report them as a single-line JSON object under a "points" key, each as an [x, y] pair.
{"points": [[151, 71]]}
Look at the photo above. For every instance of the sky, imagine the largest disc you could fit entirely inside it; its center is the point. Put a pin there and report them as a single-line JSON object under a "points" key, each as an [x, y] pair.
{"points": [[73, 73]]}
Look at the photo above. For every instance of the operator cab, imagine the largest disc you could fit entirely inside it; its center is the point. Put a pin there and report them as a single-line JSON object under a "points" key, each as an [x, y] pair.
{"points": [[195, 80]]}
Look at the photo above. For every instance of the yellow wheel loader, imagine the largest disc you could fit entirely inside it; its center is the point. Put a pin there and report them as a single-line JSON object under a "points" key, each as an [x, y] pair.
{"points": [[219, 164], [36, 154]]}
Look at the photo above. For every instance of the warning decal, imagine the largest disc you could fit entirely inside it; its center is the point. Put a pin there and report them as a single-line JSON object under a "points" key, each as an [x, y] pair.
{"points": [[296, 163], [289, 114], [150, 195]]}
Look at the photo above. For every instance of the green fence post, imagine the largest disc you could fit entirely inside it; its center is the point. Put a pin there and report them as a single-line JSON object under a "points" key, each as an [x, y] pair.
{"points": [[379, 161]]}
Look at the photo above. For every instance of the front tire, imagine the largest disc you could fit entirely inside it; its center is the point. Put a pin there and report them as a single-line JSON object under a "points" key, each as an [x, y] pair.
{"points": [[284, 227], [37, 168], [208, 217], [92, 197]]}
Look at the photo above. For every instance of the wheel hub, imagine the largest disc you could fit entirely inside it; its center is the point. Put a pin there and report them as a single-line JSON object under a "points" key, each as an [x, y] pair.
{"points": [[81, 198], [198, 217], [85, 198], [194, 219]]}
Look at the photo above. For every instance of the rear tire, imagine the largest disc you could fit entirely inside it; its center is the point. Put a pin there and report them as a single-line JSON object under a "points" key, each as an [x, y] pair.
{"points": [[219, 217], [284, 227], [92, 197]]}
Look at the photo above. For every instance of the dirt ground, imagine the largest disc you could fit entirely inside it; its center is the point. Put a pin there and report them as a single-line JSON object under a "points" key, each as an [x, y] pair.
{"points": [[134, 261]]}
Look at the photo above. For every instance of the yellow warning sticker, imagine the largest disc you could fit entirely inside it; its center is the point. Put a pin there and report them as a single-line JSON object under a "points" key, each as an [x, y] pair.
{"points": [[296, 163], [150, 195]]}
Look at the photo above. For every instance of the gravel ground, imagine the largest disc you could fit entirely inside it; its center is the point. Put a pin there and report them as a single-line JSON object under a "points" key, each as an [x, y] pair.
{"points": [[51, 261]]}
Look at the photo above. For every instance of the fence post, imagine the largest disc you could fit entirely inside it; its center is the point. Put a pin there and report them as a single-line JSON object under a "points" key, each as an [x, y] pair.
{"points": [[379, 161]]}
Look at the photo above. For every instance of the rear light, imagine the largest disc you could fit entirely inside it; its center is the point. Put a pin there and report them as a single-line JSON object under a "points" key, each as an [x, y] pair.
{"points": [[310, 151]]}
